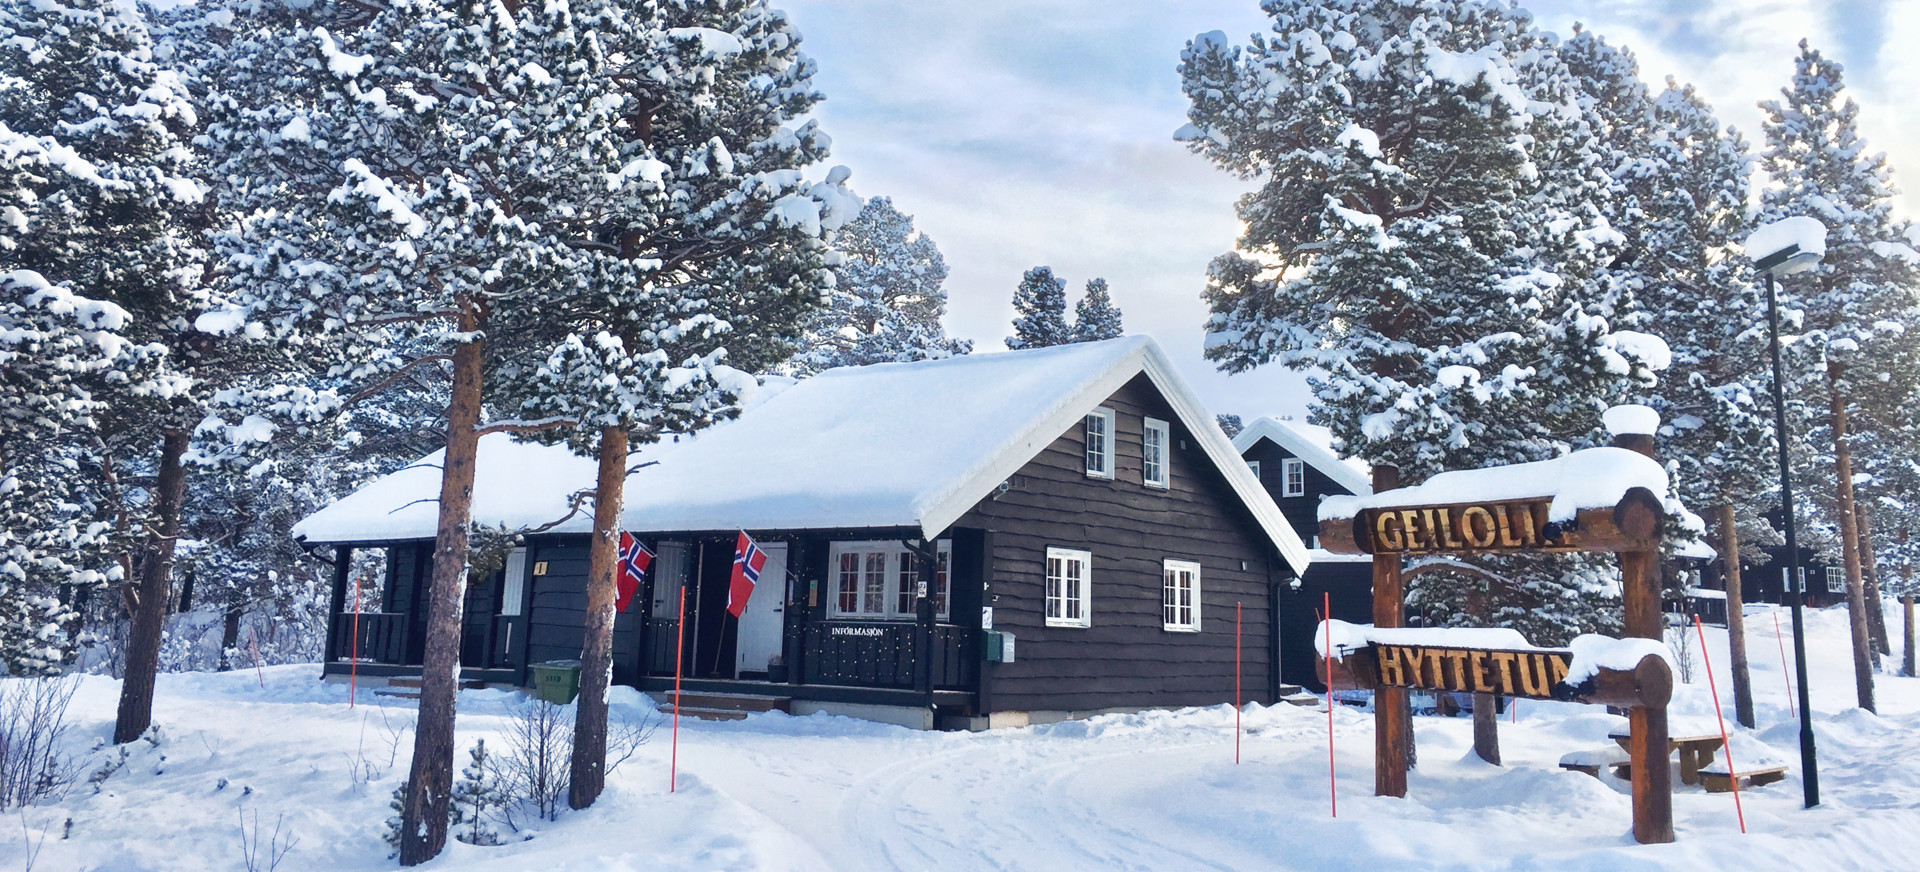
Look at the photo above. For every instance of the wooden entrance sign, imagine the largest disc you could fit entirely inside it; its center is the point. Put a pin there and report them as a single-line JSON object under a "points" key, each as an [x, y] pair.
{"points": [[1532, 673], [1389, 528]]}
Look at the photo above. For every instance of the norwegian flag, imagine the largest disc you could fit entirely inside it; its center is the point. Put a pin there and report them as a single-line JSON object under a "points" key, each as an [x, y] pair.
{"points": [[634, 560], [748, 560]]}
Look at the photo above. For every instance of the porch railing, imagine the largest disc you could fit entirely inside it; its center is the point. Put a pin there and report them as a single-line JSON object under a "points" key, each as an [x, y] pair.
{"points": [[383, 637], [876, 654]]}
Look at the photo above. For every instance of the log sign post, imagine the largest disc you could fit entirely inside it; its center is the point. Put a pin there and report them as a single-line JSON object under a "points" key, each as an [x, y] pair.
{"points": [[1514, 514]]}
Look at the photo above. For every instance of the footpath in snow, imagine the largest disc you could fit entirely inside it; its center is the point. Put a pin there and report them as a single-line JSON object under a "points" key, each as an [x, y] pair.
{"points": [[1147, 791]]}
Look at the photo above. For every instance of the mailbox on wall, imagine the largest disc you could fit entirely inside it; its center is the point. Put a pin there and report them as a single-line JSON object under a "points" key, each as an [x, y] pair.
{"points": [[999, 646]]}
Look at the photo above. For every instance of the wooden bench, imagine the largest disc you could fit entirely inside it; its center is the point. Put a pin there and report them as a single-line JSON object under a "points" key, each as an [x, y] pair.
{"points": [[1762, 769], [1696, 751], [1590, 762]]}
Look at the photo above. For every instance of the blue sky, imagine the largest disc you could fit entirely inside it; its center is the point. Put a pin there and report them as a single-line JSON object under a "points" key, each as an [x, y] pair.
{"points": [[1040, 132]]}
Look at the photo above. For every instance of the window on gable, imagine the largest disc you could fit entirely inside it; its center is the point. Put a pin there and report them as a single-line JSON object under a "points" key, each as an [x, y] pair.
{"points": [[1153, 452], [1293, 475], [1255, 466], [1836, 579], [1182, 600], [1100, 443], [879, 581], [1068, 582]]}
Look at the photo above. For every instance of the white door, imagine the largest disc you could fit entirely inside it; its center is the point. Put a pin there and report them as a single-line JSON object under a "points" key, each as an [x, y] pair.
{"points": [[762, 623]]}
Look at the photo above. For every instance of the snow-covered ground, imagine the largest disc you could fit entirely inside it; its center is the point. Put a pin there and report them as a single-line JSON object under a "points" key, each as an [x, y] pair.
{"points": [[1151, 791]]}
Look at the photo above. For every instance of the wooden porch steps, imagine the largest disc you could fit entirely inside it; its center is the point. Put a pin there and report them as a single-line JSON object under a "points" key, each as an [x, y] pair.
{"points": [[1294, 694], [409, 688], [721, 706]]}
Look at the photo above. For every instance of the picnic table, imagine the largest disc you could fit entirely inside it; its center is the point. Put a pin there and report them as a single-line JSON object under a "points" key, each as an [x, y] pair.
{"points": [[1695, 745]]}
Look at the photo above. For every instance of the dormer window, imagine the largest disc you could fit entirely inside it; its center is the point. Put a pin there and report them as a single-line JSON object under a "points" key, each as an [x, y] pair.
{"points": [[1293, 477], [1100, 443], [1155, 437]]}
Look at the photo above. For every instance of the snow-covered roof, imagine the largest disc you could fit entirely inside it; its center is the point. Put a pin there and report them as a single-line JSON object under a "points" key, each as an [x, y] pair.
{"points": [[888, 445], [1591, 478], [1313, 444]]}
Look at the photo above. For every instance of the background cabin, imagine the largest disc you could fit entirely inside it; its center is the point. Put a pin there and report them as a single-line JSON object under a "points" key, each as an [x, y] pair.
{"points": [[1296, 464]]}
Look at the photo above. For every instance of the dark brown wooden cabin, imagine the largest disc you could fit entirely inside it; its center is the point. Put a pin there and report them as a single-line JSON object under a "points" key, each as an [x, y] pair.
{"points": [[1115, 560]]}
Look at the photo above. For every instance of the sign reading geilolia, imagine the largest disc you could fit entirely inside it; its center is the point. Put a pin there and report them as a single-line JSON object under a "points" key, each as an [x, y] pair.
{"points": [[1595, 500]]}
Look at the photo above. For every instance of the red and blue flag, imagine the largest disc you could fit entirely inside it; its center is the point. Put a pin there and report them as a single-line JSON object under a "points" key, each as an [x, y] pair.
{"points": [[748, 560], [634, 560]]}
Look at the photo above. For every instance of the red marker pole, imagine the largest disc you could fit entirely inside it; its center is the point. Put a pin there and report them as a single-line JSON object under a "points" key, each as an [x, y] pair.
{"points": [[1792, 707], [679, 655], [253, 642], [1726, 747], [1333, 792], [354, 663], [1236, 683]]}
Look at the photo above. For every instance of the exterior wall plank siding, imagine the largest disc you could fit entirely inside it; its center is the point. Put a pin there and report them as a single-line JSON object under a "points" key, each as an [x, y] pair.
{"points": [[1126, 658]]}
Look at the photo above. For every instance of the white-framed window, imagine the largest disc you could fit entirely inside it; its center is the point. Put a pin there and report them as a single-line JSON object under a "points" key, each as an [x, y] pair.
{"points": [[1182, 587], [1255, 466], [1293, 477], [1836, 579], [1069, 575], [1154, 439], [878, 581], [1100, 443]]}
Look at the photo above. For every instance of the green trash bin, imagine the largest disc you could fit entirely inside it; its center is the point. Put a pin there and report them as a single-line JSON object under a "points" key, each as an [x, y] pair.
{"points": [[556, 681]]}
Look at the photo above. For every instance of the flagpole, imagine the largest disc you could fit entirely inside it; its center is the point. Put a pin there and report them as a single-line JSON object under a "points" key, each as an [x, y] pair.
{"points": [[679, 655]]}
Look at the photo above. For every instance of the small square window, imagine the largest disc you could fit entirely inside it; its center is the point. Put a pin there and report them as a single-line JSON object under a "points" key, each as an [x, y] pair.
{"points": [[1255, 466], [1836, 579], [1068, 580], [1155, 437], [1100, 443], [1182, 600], [1293, 474]]}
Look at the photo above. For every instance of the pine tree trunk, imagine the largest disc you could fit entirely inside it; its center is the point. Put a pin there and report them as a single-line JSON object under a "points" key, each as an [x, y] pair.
{"points": [[1736, 618], [1906, 651], [155, 593], [1849, 538], [1870, 583], [430, 780], [589, 774], [229, 636]]}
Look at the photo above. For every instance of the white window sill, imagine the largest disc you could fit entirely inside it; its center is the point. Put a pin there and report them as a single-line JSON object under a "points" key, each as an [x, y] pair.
{"points": [[1173, 629], [1071, 625]]}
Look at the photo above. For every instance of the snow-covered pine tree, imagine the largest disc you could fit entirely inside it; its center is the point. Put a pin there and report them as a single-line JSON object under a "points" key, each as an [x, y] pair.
{"points": [[129, 229], [1458, 317], [1095, 317], [1689, 184], [1040, 311], [477, 798], [1229, 424], [887, 301], [713, 256], [1859, 304], [52, 343], [391, 174]]}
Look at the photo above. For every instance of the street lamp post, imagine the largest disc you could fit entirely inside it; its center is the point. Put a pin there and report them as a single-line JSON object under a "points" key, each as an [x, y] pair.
{"points": [[1785, 260]]}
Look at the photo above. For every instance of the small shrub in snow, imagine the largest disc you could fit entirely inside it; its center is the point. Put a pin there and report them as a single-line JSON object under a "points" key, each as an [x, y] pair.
{"points": [[268, 859], [539, 751], [394, 823], [33, 720], [478, 800]]}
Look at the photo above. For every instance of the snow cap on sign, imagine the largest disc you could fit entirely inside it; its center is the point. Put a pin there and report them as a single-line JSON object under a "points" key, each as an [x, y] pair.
{"points": [[1631, 419], [1590, 479], [1808, 233]]}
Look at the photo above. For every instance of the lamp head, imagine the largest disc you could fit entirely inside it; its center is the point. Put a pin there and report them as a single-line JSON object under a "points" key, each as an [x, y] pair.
{"points": [[1788, 261]]}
